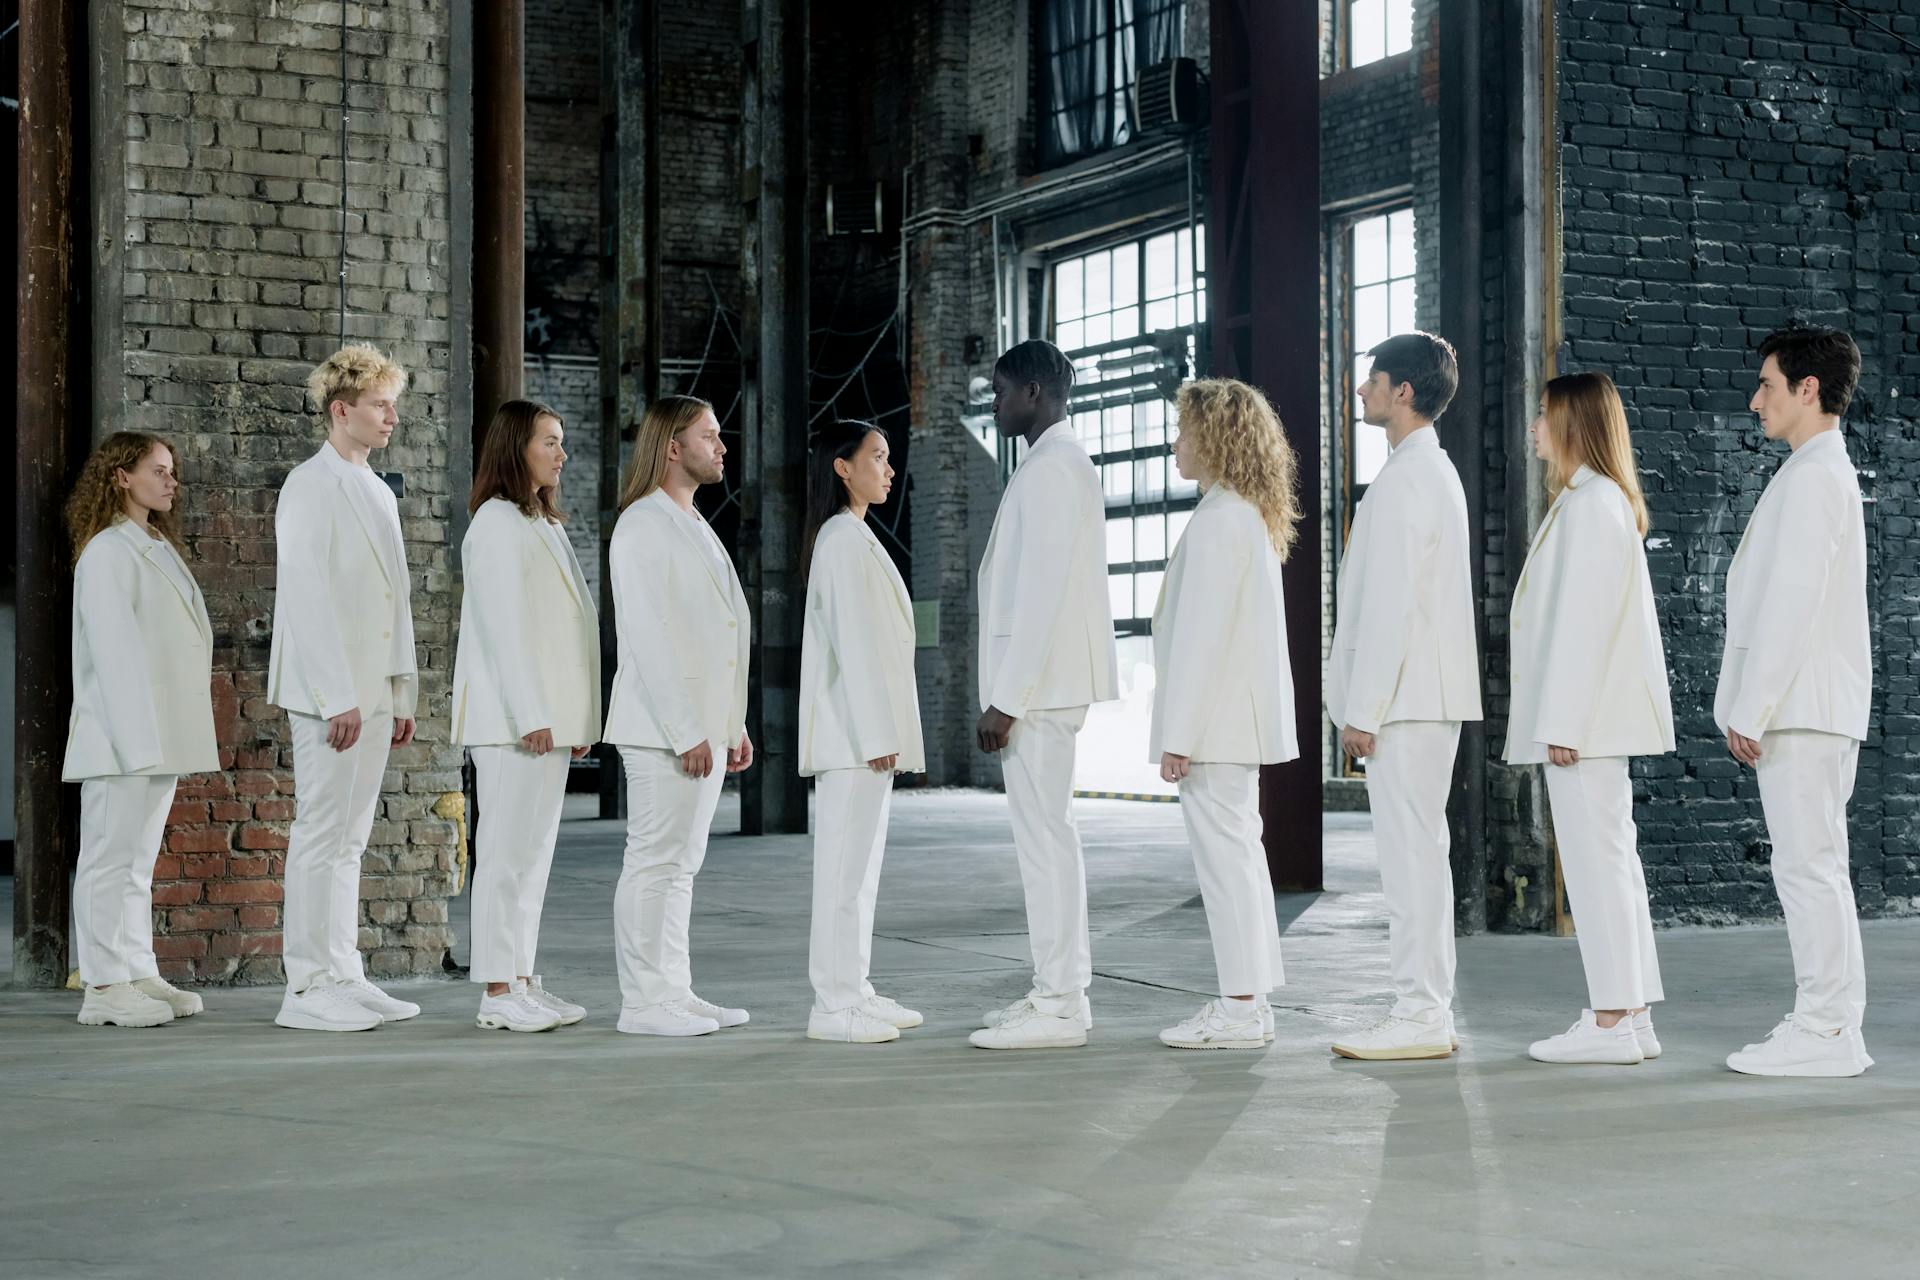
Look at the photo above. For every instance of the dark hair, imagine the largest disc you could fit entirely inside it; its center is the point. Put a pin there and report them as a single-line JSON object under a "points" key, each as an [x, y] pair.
{"points": [[1812, 351], [501, 469], [826, 491], [1424, 360], [1037, 361]]}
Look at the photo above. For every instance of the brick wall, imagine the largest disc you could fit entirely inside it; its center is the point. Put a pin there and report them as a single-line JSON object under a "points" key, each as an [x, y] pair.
{"points": [[1729, 168], [233, 186]]}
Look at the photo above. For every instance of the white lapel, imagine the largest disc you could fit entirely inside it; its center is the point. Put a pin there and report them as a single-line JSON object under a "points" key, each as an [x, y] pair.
{"points": [[1800, 455], [381, 535], [1582, 476], [901, 598], [569, 567], [159, 554], [671, 511]]}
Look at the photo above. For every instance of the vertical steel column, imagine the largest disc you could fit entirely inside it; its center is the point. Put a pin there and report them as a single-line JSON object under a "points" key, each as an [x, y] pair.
{"points": [[499, 207], [1265, 313]]}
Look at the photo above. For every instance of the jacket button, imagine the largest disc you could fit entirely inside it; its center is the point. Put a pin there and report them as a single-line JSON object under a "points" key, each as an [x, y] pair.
{"points": [[731, 624]]}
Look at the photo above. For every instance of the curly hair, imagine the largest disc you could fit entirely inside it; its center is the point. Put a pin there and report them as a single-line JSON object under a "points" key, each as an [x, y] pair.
{"points": [[1243, 446], [351, 372], [97, 499]]}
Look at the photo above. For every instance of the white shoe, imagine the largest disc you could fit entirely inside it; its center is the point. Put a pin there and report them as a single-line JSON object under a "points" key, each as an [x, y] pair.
{"points": [[668, 1018], [122, 1005], [1643, 1032], [1586, 1042], [851, 1026], [568, 1012], [1394, 1039], [1028, 1028], [1266, 1019], [890, 1011], [718, 1012], [325, 1006], [373, 998], [1218, 1025], [1792, 1050], [994, 1017], [183, 1003], [514, 1010]]}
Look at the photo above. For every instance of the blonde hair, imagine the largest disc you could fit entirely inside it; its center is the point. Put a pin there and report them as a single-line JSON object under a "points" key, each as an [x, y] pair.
{"points": [[1243, 446], [350, 373], [664, 419], [98, 500], [1588, 425]]}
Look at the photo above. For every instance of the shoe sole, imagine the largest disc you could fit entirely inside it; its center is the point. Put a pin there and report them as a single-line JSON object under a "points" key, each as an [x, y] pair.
{"points": [[299, 1022], [106, 1020], [1589, 1062], [501, 1024], [1064, 1042], [1820, 1071], [854, 1039], [1213, 1044], [1405, 1053], [394, 1017], [676, 1034], [904, 1026]]}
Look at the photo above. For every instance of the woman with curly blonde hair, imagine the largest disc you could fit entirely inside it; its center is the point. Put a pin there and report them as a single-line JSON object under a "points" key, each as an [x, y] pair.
{"points": [[1223, 690], [142, 716]]}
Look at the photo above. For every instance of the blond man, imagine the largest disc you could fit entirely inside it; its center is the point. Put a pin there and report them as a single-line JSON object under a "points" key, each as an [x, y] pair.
{"points": [[343, 669]]}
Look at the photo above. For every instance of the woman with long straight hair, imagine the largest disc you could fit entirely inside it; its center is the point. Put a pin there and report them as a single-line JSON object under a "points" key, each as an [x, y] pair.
{"points": [[142, 716], [1589, 691], [859, 723], [526, 700], [1223, 689]]}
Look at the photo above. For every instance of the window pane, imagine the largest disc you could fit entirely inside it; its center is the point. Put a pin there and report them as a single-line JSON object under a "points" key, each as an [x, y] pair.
{"points": [[1146, 593], [1099, 283], [1067, 303], [1160, 315], [1119, 541], [1370, 251], [1070, 334], [1400, 310], [1120, 595], [1119, 427], [1399, 26], [1400, 240], [1372, 322], [1176, 526], [1160, 266], [1086, 429], [1126, 322], [1099, 330], [1149, 422], [1149, 477], [1150, 537], [1118, 480], [1369, 451], [1177, 487], [1126, 275], [1368, 32], [1183, 261]]}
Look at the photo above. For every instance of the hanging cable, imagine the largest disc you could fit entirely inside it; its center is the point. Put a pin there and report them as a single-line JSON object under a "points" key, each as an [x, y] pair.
{"points": [[343, 173]]}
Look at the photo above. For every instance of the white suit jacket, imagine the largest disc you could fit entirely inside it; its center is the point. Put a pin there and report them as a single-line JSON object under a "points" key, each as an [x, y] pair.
{"points": [[1403, 645], [342, 611], [529, 649], [858, 697], [684, 634], [1046, 622], [1589, 670], [1797, 650], [1223, 689], [142, 661]]}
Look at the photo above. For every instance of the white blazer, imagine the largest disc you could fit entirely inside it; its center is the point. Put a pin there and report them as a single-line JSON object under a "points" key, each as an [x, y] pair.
{"points": [[858, 697], [1046, 622], [342, 613], [684, 633], [1223, 690], [1589, 670], [1797, 650], [529, 650], [142, 662], [1403, 645]]}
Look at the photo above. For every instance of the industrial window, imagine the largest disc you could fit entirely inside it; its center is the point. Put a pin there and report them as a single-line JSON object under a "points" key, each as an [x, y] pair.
{"points": [[1378, 29], [1091, 53]]}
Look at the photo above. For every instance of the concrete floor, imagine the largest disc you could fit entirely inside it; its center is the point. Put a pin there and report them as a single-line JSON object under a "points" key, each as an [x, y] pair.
{"points": [[225, 1146]]}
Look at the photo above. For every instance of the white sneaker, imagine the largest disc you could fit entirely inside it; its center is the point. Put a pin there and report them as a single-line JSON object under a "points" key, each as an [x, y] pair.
{"points": [[1028, 1028], [568, 1012], [183, 1003], [668, 1018], [325, 1006], [851, 1026], [514, 1010], [1792, 1050], [718, 1012], [994, 1017], [891, 1012], [122, 1005], [373, 998], [1218, 1025], [1394, 1039], [1586, 1042], [1643, 1032], [1266, 1018]]}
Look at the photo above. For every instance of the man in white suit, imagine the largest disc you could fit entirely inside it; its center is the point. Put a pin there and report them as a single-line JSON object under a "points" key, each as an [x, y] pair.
{"points": [[343, 668], [1404, 673], [1046, 654], [1796, 689]]}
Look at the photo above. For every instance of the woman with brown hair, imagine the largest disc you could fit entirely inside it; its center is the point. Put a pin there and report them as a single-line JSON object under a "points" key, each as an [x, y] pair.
{"points": [[1589, 690], [1223, 688], [526, 700], [142, 716]]}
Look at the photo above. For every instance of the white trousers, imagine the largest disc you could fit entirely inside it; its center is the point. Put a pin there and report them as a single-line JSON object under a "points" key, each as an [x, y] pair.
{"points": [[520, 797], [1409, 777], [849, 840], [1037, 765], [335, 797], [1592, 804], [668, 815], [1221, 806], [1806, 779], [122, 821]]}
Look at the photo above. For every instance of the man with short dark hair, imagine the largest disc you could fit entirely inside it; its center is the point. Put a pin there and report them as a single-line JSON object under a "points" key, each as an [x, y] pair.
{"points": [[1046, 653], [1796, 690], [1403, 675]]}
